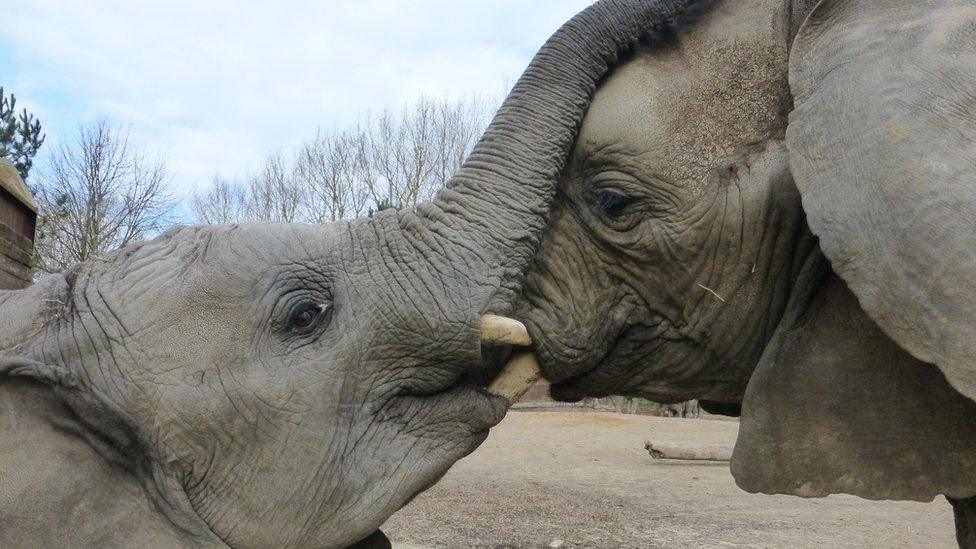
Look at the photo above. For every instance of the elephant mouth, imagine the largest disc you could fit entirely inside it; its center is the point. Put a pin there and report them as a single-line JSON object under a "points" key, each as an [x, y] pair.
{"points": [[467, 408], [574, 372], [620, 355], [580, 385], [479, 397]]}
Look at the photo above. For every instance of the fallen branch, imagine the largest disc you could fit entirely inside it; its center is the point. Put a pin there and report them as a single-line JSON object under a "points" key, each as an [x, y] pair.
{"points": [[705, 452]]}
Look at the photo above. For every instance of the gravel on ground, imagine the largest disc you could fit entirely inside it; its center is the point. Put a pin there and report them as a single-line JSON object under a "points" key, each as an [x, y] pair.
{"points": [[583, 479]]}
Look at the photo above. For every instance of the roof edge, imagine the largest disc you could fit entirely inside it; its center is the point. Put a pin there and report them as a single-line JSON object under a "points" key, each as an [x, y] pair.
{"points": [[11, 182]]}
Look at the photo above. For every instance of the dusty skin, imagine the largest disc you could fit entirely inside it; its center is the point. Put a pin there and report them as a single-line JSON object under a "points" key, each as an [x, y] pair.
{"points": [[586, 479]]}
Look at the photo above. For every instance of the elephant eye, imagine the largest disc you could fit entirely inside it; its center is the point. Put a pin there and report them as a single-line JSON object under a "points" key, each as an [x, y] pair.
{"points": [[612, 205], [308, 316]]}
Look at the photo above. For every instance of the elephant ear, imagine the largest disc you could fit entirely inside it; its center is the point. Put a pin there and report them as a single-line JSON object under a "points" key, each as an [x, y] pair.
{"points": [[882, 147], [835, 406]]}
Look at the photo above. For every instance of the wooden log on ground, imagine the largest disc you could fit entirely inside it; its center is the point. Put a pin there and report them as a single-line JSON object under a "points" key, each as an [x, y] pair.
{"points": [[689, 452]]}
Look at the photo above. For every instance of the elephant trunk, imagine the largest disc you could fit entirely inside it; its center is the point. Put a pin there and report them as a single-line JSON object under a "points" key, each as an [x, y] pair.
{"points": [[495, 208]]}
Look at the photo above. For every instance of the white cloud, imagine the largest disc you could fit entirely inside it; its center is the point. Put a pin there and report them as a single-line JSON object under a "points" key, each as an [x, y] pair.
{"points": [[216, 85]]}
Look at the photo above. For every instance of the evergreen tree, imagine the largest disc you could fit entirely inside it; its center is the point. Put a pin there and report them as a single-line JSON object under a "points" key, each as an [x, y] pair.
{"points": [[382, 205], [20, 135]]}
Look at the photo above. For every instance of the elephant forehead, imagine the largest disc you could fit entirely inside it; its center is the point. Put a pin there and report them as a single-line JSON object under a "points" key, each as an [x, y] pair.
{"points": [[221, 272], [253, 248], [719, 82], [226, 254]]}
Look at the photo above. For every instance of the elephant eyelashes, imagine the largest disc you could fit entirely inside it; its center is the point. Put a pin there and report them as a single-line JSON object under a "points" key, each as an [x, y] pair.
{"points": [[308, 316], [612, 206]]}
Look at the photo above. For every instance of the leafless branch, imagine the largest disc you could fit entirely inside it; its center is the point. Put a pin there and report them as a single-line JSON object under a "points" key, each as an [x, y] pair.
{"points": [[97, 193]]}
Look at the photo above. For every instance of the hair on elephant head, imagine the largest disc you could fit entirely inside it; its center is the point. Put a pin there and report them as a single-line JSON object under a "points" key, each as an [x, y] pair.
{"points": [[779, 195], [285, 385]]}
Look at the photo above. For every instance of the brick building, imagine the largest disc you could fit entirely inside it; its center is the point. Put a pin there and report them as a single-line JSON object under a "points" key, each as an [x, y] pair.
{"points": [[18, 219]]}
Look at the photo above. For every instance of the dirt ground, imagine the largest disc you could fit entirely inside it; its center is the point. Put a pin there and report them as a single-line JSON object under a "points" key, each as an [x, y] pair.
{"points": [[585, 478]]}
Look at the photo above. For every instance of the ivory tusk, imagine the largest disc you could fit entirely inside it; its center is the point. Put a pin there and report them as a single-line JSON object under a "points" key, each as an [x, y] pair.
{"points": [[521, 373], [522, 370], [499, 330]]}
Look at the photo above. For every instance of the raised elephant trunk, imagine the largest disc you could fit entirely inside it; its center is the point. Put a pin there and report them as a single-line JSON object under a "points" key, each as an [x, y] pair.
{"points": [[497, 204], [293, 385]]}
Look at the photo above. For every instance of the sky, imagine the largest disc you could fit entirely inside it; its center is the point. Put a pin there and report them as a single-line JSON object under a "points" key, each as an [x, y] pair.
{"points": [[215, 85]]}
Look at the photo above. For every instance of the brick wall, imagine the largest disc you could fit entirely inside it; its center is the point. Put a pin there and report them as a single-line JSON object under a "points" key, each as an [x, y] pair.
{"points": [[15, 259]]}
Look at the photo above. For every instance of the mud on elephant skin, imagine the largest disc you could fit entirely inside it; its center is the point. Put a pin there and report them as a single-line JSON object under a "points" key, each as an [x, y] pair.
{"points": [[285, 385], [762, 181]]}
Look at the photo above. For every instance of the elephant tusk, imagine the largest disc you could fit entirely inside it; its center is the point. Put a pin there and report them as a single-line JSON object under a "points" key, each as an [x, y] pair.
{"points": [[499, 330], [521, 373], [522, 370]]}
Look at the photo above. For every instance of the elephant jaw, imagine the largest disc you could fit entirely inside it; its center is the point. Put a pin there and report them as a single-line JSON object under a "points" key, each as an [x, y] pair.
{"points": [[522, 370], [519, 374]]}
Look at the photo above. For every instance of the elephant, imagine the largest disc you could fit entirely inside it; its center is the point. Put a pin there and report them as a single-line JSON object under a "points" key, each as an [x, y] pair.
{"points": [[769, 206], [754, 203], [278, 385], [243, 386]]}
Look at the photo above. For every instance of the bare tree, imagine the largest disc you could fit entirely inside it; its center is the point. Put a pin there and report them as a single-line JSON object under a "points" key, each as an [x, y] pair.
{"points": [[457, 127], [404, 159], [395, 160], [416, 153], [326, 167], [379, 160], [225, 202], [98, 193], [274, 193]]}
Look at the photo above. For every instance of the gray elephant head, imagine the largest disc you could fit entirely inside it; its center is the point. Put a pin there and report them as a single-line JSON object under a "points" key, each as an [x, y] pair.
{"points": [[678, 233], [772, 203], [270, 383], [287, 386]]}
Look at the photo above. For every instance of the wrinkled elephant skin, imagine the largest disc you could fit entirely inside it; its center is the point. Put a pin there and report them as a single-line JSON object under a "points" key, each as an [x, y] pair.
{"points": [[770, 206], [287, 385]]}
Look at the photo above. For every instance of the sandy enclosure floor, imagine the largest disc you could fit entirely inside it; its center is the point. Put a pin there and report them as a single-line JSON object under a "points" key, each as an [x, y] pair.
{"points": [[585, 478]]}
